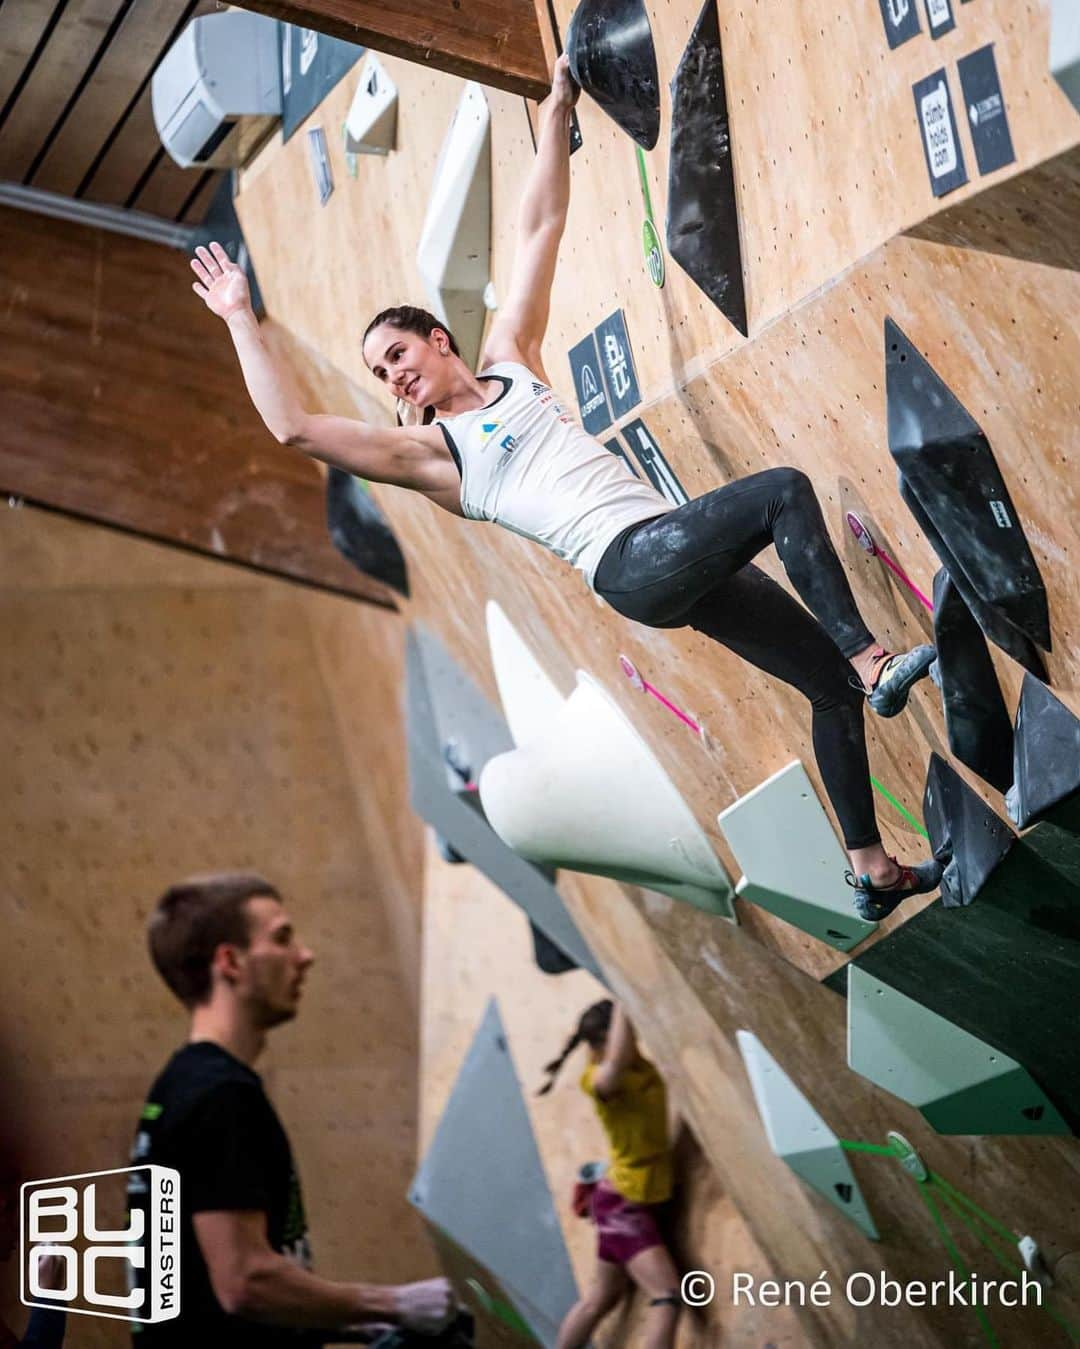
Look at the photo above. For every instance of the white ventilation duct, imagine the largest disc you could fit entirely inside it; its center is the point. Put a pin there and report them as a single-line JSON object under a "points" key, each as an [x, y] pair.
{"points": [[216, 95]]}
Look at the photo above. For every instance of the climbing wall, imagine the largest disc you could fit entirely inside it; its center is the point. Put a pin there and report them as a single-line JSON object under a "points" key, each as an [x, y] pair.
{"points": [[841, 232]]}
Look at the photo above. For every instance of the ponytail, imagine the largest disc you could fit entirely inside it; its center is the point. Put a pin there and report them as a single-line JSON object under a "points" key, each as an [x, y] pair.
{"points": [[592, 1029], [555, 1066]]}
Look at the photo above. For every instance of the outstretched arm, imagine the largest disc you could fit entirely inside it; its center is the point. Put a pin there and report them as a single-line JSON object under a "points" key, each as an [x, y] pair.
{"points": [[383, 454], [619, 1053], [518, 330]]}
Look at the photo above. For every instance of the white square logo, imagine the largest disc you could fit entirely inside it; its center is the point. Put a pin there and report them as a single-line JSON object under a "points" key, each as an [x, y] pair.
{"points": [[130, 1273]]}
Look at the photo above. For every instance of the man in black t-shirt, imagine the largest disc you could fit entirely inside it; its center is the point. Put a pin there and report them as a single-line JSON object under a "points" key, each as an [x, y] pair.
{"points": [[226, 947]]}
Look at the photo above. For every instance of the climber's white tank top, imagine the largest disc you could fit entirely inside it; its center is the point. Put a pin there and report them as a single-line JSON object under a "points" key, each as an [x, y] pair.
{"points": [[527, 465]]}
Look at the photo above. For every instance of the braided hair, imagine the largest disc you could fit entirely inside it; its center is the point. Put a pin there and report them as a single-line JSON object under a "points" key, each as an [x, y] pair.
{"points": [[410, 318], [592, 1030]]}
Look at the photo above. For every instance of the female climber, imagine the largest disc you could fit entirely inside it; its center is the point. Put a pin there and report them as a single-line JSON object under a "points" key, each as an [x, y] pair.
{"points": [[499, 446], [631, 1101]]}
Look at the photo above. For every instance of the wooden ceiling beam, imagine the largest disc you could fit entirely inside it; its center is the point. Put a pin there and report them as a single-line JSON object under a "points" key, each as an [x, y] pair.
{"points": [[500, 43]]}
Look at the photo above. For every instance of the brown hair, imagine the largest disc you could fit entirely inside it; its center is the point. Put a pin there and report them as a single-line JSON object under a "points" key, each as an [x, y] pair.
{"points": [[192, 919], [592, 1030], [409, 318]]}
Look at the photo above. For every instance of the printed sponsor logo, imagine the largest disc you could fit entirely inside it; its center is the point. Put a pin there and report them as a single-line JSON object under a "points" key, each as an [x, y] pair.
{"points": [[309, 45], [592, 396], [69, 1260], [616, 358], [938, 12], [986, 110], [937, 128]]}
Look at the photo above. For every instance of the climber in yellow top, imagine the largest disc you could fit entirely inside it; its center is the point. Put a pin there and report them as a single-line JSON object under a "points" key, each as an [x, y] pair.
{"points": [[499, 446], [631, 1101]]}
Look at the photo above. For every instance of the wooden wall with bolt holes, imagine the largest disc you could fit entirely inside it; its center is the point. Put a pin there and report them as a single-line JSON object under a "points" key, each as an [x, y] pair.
{"points": [[998, 324], [164, 714]]}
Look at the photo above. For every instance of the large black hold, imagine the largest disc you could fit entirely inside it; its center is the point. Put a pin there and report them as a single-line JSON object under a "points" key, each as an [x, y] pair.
{"points": [[964, 832], [996, 626], [549, 957], [1046, 758], [359, 532], [610, 47], [947, 463], [976, 718], [703, 217]]}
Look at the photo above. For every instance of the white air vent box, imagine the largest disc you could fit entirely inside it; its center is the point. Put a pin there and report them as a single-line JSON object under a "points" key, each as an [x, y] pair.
{"points": [[216, 94]]}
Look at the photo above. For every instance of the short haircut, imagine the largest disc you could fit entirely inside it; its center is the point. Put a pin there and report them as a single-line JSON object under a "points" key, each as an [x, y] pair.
{"points": [[193, 918]]}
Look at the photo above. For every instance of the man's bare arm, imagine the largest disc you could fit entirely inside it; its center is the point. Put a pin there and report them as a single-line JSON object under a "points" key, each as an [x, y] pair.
{"points": [[252, 1280]]}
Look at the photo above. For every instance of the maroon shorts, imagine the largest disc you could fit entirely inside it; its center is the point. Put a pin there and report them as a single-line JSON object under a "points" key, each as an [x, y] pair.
{"points": [[624, 1229]]}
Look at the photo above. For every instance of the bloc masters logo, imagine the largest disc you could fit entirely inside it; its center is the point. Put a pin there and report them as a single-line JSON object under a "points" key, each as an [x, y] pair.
{"points": [[74, 1258]]}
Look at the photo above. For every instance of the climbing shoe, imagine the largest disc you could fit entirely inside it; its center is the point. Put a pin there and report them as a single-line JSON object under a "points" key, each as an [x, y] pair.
{"points": [[874, 902], [897, 677]]}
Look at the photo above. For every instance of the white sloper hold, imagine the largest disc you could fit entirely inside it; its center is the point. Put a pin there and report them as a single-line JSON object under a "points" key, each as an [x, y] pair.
{"points": [[584, 791]]}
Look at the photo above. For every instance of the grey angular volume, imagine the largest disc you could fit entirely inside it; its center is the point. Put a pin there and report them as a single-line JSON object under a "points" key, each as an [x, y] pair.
{"points": [[482, 1182], [444, 707], [1046, 756], [976, 718], [996, 626], [703, 216], [947, 463], [964, 832], [610, 47]]}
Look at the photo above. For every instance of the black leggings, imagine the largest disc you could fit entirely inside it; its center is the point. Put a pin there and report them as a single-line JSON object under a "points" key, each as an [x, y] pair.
{"points": [[692, 568]]}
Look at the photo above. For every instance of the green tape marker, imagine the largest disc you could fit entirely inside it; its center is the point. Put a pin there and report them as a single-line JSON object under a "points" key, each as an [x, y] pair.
{"points": [[502, 1311], [650, 237], [897, 806]]}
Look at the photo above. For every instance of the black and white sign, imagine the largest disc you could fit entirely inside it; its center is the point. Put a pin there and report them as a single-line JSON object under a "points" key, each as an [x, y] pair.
{"points": [[311, 65], [944, 157], [617, 450], [589, 386], [985, 106], [939, 16], [901, 20], [613, 344], [320, 164], [649, 455]]}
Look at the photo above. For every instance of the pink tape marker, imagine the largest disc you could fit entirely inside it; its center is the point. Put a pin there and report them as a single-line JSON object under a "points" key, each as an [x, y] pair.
{"points": [[642, 686], [867, 544]]}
